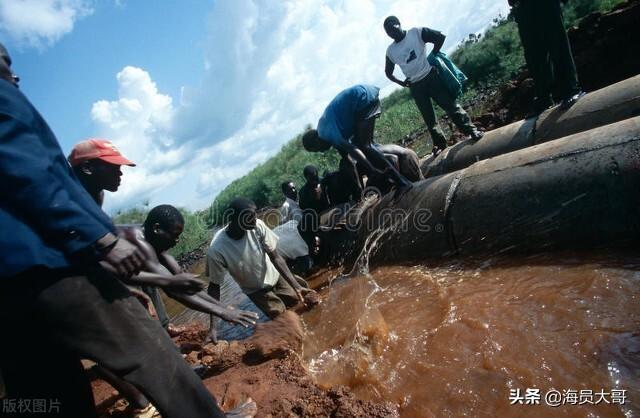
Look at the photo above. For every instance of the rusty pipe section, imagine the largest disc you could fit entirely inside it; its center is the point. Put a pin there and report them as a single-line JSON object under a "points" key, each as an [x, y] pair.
{"points": [[608, 105], [578, 191]]}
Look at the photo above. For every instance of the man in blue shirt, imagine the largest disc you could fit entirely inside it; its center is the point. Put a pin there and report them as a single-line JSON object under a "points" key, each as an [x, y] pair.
{"points": [[56, 299], [347, 124]]}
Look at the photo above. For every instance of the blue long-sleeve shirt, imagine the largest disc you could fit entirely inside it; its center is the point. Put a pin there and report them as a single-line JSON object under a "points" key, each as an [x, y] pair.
{"points": [[337, 123], [46, 216]]}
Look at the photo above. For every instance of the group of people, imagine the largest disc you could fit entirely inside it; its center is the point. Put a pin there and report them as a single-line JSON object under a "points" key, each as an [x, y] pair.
{"points": [[75, 286], [348, 122]]}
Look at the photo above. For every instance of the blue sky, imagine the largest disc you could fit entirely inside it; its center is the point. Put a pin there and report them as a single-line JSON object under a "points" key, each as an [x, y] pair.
{"points": [[199, 92]]}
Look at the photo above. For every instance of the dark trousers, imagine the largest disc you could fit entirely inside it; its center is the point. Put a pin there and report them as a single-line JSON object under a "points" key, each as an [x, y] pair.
{"points": [[431, 87], [275, 300], [52, 319], [546, 48]]}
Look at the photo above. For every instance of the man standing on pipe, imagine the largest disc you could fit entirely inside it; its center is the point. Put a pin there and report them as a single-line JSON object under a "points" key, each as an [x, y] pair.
{"points": [[547, 52], [408, 50]]}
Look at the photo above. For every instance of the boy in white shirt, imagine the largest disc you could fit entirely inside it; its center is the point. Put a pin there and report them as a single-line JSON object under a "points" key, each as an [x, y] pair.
{"points": [[246, 248]]}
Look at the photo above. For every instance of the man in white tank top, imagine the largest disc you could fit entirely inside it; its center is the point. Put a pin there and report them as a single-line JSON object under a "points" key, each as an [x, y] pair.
{"points": [[408, 50]]}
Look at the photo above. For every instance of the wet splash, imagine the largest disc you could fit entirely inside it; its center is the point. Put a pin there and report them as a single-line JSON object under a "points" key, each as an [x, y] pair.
{"points": [[454, 339]]}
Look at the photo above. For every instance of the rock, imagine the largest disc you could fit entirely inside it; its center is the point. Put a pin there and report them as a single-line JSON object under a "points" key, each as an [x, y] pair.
{"points": [[192, 358], [215, 349]]}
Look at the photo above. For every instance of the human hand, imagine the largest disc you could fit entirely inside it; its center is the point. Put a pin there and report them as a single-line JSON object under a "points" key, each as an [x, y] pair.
{"points": [[186, 283], [311, 297], [239, 317], [125, 258]]}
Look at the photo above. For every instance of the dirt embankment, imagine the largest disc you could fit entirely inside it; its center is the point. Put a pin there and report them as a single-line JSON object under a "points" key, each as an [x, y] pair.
{"points": [[266, 368]]}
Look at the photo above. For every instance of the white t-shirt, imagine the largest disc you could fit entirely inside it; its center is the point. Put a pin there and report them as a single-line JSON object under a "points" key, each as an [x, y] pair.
{"points": [[411, 55], [290, 243], [245, 259], [290, 210]]}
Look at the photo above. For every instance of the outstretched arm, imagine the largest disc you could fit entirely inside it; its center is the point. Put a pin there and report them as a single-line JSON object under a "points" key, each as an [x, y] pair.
{"points": [[284, 271], [202, 302], [155, 273], [389, 66]]}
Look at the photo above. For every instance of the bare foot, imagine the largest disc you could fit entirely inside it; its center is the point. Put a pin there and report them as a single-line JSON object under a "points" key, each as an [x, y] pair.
{"points": [[247, 409]]}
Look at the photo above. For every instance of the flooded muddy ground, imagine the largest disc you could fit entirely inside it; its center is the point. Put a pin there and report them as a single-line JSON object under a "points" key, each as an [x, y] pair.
{"points": [[467, 339]]}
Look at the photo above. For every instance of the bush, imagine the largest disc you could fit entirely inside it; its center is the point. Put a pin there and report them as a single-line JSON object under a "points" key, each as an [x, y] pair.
{"points": [[194, 235]]}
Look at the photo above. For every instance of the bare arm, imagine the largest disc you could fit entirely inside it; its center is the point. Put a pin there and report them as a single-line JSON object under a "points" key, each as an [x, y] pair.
{"points": [[284, 271], [204, 303], [389, 66], [213, 291], [359, 156], [434, 37], [170, 263]]}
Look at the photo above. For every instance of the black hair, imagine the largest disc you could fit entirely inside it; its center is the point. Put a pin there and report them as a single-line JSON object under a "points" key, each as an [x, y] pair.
{"points": [[285, 185], [239, 211], [391, 20], [164, 215], [240, 204], [312, 142], [308, 138], [310, 170]]}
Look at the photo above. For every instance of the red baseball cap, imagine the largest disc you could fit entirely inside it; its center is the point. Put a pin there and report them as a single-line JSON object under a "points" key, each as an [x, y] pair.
{"points": [[97, 148]]}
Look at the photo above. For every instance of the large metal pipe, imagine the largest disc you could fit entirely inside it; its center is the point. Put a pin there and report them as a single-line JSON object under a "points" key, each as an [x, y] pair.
{"points": [[582, 190], [608, 105]]}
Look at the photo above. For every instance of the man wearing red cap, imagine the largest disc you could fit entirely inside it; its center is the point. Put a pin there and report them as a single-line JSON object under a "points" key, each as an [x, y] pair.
{"points": [[54, 291], [97, 164]]}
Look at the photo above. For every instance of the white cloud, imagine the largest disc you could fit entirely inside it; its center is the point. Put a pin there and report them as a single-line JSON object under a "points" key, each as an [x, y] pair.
{"points": [[139, 123], [38, 22], [269, 69]]}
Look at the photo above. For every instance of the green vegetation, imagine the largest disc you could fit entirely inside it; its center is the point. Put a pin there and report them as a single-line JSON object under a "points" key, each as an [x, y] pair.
{"points": [[497, 55], [492, 58], [488, 60]]}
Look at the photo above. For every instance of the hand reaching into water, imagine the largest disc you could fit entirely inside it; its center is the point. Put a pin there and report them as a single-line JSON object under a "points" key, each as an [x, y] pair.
{"points": [[309, 297], [186, 282]]}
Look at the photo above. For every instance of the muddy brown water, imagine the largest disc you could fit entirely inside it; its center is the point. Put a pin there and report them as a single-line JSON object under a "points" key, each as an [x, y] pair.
{"points": [[455, 339]]}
